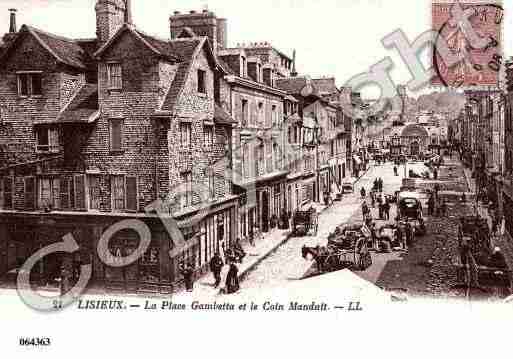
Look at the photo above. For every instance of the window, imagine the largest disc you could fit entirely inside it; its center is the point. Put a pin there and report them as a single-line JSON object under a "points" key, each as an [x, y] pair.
{"points": [[243, 67], [118, 192], [116, 135], [209, 135], [201, 82], [94, 192], [30, 84], [6, 193], [49, 193], [277, 157], [186, 195], [30, 193], [114, 76], [274, 116], [47, 139], [245, 160], [259, 73], [185, 134], [260, 114], [244, 113], [211, 185]]}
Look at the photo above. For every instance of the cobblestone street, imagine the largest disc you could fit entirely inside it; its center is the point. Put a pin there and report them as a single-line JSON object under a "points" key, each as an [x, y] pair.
{"points": [[427, 269]]}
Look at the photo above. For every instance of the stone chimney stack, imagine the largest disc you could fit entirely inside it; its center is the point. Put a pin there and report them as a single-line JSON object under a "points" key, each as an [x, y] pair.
{"points": [[128, 11], [12, 24], [110, 17], [294, 71]]}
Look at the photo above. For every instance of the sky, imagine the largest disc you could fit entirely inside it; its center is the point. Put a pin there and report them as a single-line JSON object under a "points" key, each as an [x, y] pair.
{"points": [[332, 38]]}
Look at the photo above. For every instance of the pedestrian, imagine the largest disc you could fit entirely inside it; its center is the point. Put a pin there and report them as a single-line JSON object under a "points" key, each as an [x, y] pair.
{"points": [[380, 184], [435, 174], [374, 236], [373, 198], [232, 279], [238, 251], [216, 265], [187, 271], [362, 192], [395, 171], [365, 210], [431, 204], [375, 184], [386, 210]]}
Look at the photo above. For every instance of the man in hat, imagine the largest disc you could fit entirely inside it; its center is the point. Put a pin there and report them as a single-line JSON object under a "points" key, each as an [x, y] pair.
{"points": [[216, 265]]}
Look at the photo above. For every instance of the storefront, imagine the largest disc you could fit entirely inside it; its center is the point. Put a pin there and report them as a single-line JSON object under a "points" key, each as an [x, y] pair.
{"points": [[23, 234]]}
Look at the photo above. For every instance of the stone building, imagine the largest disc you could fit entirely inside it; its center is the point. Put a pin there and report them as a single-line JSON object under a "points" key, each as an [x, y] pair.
{"points": [[94, 131], [257, 106]]}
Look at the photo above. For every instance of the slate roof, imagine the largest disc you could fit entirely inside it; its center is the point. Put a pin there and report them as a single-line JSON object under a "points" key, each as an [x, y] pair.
{"points": [[294, 85], [83, 106], [64, 50], [185, 50], [326, 86]]}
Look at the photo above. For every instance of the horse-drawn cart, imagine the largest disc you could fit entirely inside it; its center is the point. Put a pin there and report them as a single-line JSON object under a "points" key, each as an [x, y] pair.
{"points": [[305, 222], [476, 266], [347, 248]]}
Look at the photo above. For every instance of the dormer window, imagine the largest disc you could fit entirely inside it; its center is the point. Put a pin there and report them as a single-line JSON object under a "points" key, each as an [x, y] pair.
{"points": [[30, 83], [47, 139], [114, 76], [259, 75]]}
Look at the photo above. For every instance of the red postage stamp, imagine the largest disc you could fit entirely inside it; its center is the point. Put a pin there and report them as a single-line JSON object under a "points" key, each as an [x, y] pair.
{"points": [[477, 65]]}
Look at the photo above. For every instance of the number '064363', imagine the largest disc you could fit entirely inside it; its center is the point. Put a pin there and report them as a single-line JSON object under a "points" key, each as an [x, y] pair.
{"points": [[36, 342]]}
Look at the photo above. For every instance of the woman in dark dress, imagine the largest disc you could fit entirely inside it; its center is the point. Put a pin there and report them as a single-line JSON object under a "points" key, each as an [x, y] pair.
{"points": [[187, 272], [232, 279]]}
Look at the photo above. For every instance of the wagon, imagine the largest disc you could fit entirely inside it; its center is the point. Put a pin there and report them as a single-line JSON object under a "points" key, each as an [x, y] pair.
{"points": [[347, 186], [409, 206], [305, 222]]}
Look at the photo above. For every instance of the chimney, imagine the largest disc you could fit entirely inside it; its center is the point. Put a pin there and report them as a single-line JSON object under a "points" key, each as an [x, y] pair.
{"points": [[293, 72], [222, 33], [12, 25], [110, 17], [128, 11]]}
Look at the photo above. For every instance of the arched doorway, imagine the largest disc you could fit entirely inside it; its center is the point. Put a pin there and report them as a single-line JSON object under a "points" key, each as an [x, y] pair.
{"points": [[414, 148]]}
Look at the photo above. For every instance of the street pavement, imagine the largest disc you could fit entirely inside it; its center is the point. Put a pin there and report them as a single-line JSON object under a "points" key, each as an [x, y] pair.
{"points": [[287, 264]]}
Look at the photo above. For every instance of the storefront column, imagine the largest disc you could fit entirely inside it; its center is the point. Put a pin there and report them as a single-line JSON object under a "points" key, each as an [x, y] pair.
{"points": [[4, 243], [98, 266]]}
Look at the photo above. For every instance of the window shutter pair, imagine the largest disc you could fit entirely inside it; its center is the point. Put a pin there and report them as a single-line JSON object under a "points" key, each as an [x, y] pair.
{"points": [[30, 193]]}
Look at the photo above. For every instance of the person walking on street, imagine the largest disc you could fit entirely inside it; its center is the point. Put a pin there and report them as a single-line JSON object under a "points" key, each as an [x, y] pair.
{"points": [[373, 198], [431, 204], [435, 174], [363, 194], [365, 210], [386, 210], [232, 279], [395, 170], [380, 184], [187, 271], [216, 265]]}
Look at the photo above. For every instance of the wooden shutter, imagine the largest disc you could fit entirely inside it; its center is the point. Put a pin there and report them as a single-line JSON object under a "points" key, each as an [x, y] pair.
{"points": [[80, 202], [1, 193], [8, 190], [94, 192], [65, 192], [118, 192], [131, 193], [30, 193]]}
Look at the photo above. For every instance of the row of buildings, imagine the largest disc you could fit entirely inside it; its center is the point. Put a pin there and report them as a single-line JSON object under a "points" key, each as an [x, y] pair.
{"points": [[484, 132], [94, 131]]}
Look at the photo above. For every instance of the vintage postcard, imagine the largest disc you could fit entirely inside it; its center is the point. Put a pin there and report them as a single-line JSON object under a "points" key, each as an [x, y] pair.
{"points": [[274, 178]]}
